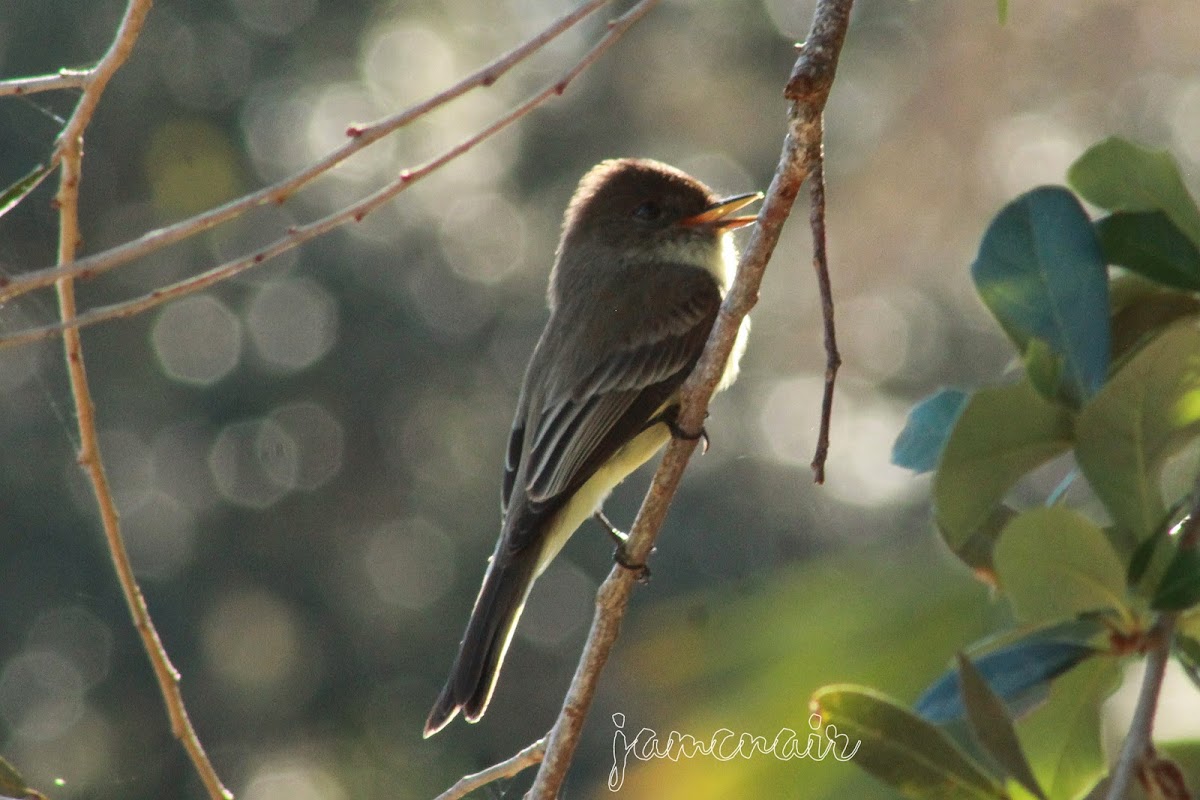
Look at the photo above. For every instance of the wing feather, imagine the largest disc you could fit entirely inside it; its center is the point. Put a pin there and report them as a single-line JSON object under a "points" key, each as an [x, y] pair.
{"points": [[565, 432]]}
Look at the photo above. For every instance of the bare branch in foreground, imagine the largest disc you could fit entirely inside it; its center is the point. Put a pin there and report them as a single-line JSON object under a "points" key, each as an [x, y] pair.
{"points": [[69, 156], [505, 769], [359, 137], [808, 89]]}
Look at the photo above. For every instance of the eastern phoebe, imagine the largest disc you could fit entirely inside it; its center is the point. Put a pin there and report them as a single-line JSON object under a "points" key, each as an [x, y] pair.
{"points": [[642, 266]]}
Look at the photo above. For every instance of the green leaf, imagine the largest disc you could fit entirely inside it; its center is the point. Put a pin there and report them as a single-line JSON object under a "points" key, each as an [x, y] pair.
{"points": [[1148, 243], [1041, 273], [1139, 562], [1044, 368], [1003, 433], [1187, 654], [1149, 560], [1002, 11], [23, 186], [1147, 411], [901, 749], [993, 728], [1180, 585], [1055, 563], [920, 444], [1019, 672], [1120, 175], [1062, 737]]}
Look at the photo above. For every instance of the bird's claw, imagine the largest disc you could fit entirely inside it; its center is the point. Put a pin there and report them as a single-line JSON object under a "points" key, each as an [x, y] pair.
{"points": [[680, 433], [641, 571]]}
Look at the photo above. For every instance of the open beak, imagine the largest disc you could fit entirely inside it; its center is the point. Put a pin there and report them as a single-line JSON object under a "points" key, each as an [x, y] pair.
{"points": [[717, 215]]}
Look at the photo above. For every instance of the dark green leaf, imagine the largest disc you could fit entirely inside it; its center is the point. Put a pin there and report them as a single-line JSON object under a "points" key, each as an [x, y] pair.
{"points": [[1042, 274], [1003, 433], [1180, 586], [1148, 243], [993, 728], [1146, 412], [23, 186], [1150, 558], [1142, 556], [1119, 175], [1142, 309], [1187, 653], [920, 444], [901, 749], [977, 550], [1018, 673]]}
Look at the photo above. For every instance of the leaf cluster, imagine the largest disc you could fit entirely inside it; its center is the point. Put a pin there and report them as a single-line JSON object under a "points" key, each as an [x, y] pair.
{"points": [[1104, 315]]}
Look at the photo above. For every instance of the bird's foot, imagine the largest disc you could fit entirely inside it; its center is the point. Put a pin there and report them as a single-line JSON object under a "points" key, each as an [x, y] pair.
{"points": [[641, 572], [620, 555], [680, 433]]}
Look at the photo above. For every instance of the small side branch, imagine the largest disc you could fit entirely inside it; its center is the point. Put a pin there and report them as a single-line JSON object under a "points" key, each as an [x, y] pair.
{"points": [[808, 89], [505, 769], [358, 138], [833, 360], [298, 234], [65, 79]]}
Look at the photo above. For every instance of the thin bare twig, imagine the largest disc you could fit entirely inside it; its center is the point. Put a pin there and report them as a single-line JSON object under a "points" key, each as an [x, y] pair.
{"points": [[808, 89], [1138, 751], [353, 213], [69, 155], [833, 360], [64, 79], [359, 137], [505, 769]]}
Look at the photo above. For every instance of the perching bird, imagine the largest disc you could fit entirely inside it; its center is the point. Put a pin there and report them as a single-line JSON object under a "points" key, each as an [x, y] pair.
{"points": [[643, 263]]}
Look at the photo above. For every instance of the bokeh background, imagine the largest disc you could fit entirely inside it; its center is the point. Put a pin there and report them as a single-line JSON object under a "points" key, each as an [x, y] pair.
{"points": [[307, 459]]}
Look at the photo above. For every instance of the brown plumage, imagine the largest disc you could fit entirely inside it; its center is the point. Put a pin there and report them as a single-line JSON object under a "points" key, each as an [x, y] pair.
{"points": [[642, 266]]}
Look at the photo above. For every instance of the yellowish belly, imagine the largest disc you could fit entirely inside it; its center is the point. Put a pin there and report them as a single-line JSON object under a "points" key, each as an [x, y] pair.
{"points": [[592, 494], [638, 451]]}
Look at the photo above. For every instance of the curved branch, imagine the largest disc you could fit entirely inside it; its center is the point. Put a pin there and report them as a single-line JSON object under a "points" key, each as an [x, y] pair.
{"points": [[808, 89], [359, 137], [68, 154]]}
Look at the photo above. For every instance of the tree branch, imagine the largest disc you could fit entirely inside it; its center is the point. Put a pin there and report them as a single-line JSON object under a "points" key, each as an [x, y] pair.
{"points": [[359, 137], [69, 156], [1138, 748], [65, 79], [353, 213], [808, 89], [505, 769], [833, 360]]}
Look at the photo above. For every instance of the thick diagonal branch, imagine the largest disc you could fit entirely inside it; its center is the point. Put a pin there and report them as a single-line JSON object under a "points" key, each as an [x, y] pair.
{"points": [[808, 89]]}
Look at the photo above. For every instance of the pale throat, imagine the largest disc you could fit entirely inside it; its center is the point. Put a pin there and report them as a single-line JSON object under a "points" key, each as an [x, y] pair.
{"points": [[719, 260]]}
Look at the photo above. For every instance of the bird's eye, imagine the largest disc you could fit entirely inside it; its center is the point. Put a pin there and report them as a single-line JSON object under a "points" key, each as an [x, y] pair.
{"points": [[648, 211]]}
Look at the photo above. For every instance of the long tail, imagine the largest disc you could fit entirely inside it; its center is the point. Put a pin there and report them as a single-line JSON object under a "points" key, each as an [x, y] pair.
{"points": [[477, 666]]}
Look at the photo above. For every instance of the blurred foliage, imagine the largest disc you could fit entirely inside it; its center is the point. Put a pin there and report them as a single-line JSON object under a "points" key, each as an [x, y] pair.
{"points": [[307, 460], [1042, 272]]}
